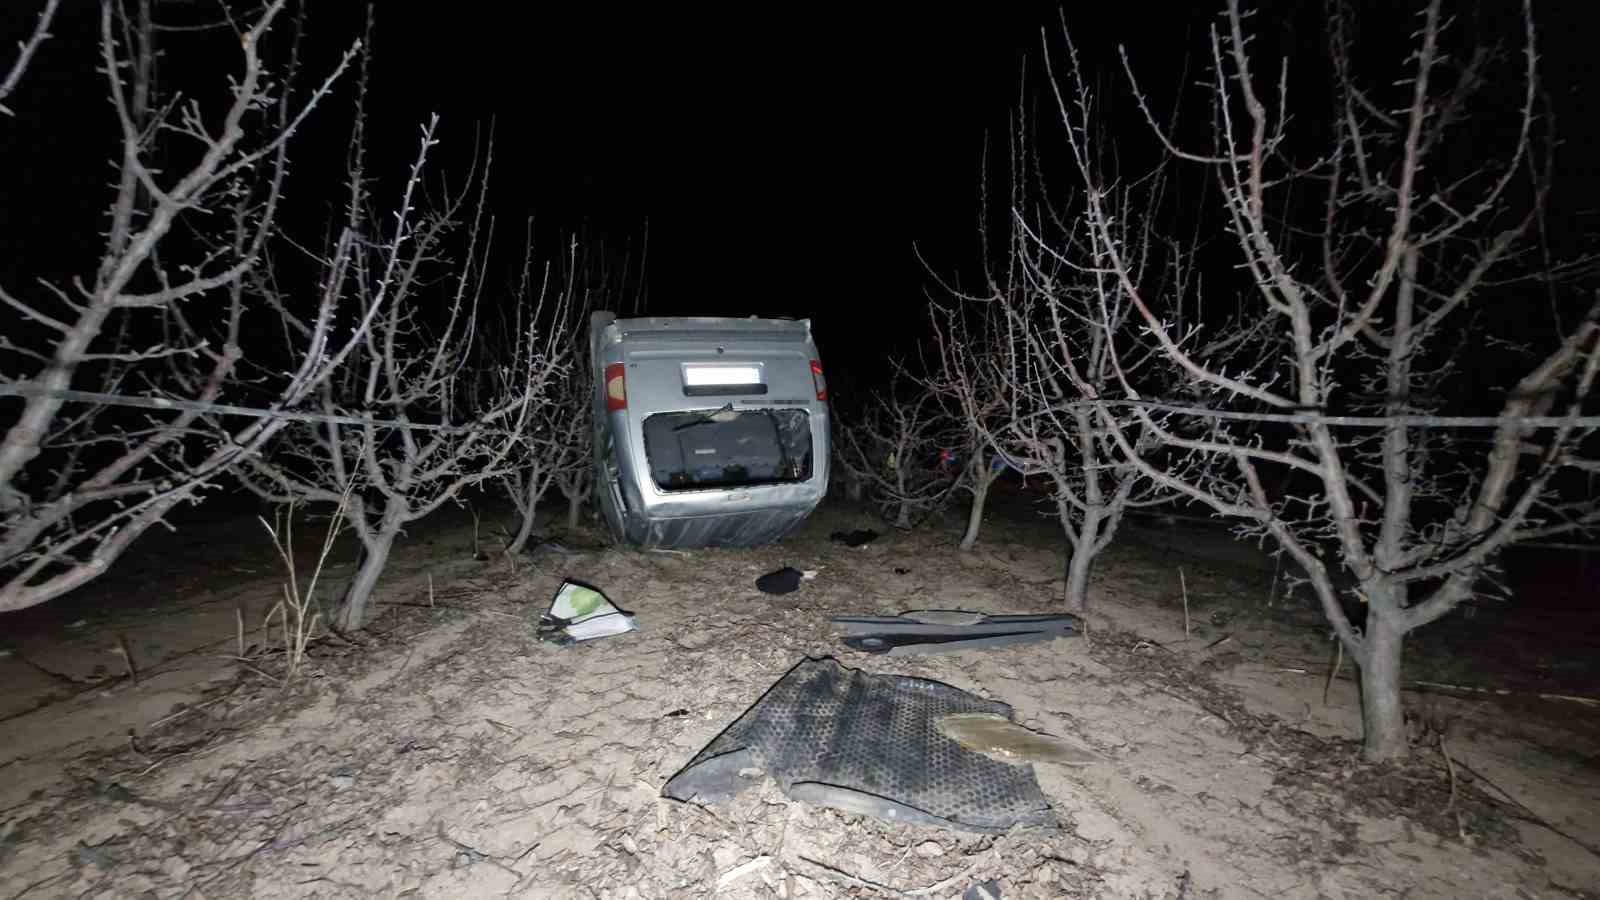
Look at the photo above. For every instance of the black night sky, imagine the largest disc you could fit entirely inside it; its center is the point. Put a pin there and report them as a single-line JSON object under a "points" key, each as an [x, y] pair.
{"points": [[788, 161]]}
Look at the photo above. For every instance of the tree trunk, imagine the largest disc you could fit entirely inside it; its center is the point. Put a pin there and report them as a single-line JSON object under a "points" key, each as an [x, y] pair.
{"points": [[524, 531], [575, 508], [1079, 564], [528, 505], [1382, 716], [902, 520], [980, 494], [374, 556]]}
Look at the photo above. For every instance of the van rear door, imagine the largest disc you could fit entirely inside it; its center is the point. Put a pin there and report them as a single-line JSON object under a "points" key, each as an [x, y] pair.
{"points": [[727, 448]]}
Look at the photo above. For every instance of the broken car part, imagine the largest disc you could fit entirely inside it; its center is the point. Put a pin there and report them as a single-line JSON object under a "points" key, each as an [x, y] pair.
{"points": [[784, 581], [857, 538], [949, 630], [580, 612], [868, 744]]}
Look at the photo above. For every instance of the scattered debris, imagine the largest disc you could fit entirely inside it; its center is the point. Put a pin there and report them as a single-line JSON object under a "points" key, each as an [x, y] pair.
{"points": [[457, 712], [988, 890], [901, 570], [867, 744], [857, 538], [784, 581], [541, 545], [917, 645], [740, 871], [947, 631], [579, 612]]}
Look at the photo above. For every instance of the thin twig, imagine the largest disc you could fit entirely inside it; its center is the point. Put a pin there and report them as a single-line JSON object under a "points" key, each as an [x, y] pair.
{"points": [[127, 658], [1185, 585], [873, 885], [740, 871], [1338, 660], [848, 878], [185, 711], [1528, 814], [942, 885], [1450, 766]]}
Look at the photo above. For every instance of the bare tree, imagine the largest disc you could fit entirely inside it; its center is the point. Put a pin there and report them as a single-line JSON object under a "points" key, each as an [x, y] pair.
{"points": [[853, 486], [1368, 238], [558, 451], [604, 286], [969, 379], [547, 451], [407, 427], [1025, 376], [895, 448], [573, 403], [846, 397], [195, 196], [543, 450]]}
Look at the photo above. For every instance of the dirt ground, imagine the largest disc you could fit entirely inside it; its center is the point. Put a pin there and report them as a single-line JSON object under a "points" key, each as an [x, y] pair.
{"points": [[451, 754]]}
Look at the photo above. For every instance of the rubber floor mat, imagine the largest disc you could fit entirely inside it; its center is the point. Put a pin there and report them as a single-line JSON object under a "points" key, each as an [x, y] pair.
{"points": [[868, 744]]}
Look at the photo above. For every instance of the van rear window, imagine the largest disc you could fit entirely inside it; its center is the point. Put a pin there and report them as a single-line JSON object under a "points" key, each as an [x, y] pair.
{"points": [[714, 448]]}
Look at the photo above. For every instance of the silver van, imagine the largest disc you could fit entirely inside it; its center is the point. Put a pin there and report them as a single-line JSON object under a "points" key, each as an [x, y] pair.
{"points": [[707, 431]]}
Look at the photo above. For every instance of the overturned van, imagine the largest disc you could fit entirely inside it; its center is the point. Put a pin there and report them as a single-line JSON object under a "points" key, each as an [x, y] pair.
{"points": [[707, 431]]}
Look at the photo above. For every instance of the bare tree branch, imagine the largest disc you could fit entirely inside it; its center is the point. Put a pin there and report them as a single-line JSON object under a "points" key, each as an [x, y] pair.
{"points": [[68, 513], [25, 51]]}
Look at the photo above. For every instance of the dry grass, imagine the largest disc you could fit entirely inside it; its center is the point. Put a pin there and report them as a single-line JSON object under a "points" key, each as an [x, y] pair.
{"points": [[297, 613]]}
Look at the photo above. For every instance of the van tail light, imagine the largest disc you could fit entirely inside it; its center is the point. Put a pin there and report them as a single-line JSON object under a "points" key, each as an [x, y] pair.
{"points": [[817, 381], [616, 388]]}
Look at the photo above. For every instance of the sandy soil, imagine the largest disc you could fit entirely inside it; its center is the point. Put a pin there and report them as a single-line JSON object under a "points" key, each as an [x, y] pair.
{"points": [[453, 755]]}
